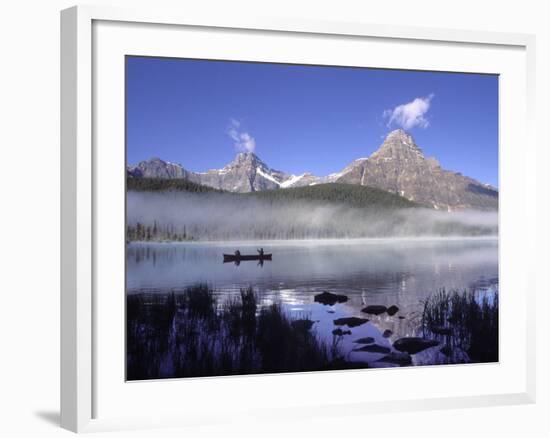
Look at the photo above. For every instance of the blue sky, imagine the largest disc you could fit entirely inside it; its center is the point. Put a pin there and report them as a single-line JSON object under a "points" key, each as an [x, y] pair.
{"points": [[306, 118]]}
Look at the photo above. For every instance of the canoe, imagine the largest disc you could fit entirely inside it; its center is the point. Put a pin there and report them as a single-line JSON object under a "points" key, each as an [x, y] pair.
{"points": [[243, 257]]}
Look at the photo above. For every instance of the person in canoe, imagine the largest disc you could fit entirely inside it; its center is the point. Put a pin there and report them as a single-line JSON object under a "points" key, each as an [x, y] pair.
{"points": [[260, 252], [237, 253]]}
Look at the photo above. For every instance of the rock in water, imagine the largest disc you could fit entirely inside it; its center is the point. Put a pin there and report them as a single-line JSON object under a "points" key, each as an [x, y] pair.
{"points": [[340, 332], [392, 310], [387, 333], [329, 299], [351, 321], [367, 340], [374, 348], [374, 309], [414, 345]]}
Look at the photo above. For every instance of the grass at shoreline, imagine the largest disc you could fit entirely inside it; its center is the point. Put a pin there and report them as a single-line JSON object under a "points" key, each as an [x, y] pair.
{"points": [[464, 321], [193, 335]]}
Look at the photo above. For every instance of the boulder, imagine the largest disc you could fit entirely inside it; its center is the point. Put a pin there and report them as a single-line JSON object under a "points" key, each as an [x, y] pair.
{"points": [[414, 345], [329, 299], [392, 310], [367, 340], [351, 321], [387, 333], [374, 348], [340, 332], [374, 309]]}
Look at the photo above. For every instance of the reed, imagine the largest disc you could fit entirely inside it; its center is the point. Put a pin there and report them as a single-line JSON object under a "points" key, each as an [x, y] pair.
{"points": [[190, 334], [467, 320]]}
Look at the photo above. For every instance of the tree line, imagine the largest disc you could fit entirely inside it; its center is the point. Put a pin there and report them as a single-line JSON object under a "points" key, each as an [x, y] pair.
{"points": [[156, 233], [166, 184]]}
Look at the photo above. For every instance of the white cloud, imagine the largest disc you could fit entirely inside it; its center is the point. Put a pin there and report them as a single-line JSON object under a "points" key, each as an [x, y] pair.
{"points": [[409, 115], [243, 141]]}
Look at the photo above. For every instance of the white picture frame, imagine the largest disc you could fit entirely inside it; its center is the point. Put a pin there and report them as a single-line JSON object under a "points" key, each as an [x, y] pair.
{"points": [[81, 373]]}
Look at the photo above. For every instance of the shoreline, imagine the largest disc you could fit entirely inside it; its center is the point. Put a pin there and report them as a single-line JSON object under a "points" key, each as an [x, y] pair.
{"points": [[336, 241]]}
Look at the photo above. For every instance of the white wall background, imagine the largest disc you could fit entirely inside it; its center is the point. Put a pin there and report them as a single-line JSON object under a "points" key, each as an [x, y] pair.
{"points": [[29, 216]]}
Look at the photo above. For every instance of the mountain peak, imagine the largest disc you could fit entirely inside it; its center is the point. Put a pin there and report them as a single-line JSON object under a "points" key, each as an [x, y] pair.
{"points": [[161, 161], [246, 158], [398, 144], [400, 133], [156, 167]]}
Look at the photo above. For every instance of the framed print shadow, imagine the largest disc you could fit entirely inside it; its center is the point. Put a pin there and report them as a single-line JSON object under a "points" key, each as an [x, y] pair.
{"points": [[341, 211], [373, 244]]}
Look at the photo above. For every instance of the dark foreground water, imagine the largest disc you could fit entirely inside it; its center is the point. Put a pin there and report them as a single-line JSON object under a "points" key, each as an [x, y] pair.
{"points": [[402, 273]]}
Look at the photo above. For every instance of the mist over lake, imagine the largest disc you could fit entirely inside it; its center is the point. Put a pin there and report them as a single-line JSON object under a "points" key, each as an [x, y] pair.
{"points": [[397, 269], [222, 216]]}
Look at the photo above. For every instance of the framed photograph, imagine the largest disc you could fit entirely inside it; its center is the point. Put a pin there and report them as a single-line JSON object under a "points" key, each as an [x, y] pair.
{"points": [[253, 209]]}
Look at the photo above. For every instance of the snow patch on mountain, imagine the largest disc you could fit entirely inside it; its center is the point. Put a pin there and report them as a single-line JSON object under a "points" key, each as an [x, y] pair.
{"points": [[266, 175], [292, 180]]}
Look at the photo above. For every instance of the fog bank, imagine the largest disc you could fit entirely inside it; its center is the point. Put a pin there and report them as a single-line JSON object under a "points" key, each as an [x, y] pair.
{"points": [[216, 216]]}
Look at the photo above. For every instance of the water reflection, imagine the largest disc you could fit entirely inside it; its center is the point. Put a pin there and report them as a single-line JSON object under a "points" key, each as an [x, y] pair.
{"points": [[385, 272], [394, 272]]}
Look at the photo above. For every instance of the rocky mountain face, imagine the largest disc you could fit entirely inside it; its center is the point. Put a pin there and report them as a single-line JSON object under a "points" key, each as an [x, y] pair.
{"points": [[157, 168], [246, 173], [398, 166]]}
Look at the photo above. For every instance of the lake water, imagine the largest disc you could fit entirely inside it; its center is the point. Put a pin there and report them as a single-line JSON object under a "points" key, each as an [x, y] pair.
{"points": [[387, 272]]}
